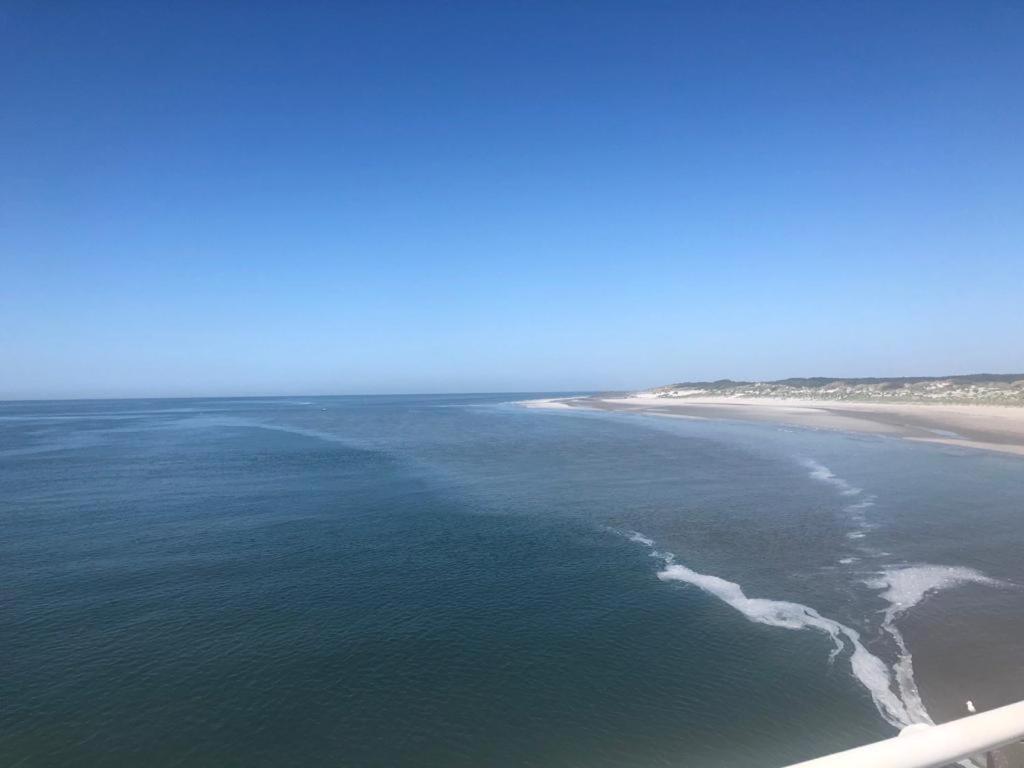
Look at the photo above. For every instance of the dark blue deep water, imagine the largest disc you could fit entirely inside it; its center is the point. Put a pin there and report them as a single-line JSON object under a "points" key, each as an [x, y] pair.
{"points": [[461, 581]]}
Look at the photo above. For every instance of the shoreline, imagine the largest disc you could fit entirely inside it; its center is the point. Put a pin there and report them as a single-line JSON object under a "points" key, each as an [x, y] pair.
{"points": [[947, 672], [994, 428]]}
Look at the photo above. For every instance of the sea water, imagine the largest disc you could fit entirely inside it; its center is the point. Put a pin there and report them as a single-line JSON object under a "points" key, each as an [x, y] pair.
{"points": [[459, 580]]}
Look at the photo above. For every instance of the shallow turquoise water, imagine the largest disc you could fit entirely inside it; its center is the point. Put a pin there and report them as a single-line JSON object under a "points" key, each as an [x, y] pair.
{"points": [[420, 581]]}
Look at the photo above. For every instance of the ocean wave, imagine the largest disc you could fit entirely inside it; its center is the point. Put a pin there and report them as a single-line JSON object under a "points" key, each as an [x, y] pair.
{"points": [[860, 506], [823, 474], [639, 538], [855, 510], [893, 689]]}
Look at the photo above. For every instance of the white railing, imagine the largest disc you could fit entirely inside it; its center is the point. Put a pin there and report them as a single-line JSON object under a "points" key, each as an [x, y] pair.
{"points": [[933, 746]]}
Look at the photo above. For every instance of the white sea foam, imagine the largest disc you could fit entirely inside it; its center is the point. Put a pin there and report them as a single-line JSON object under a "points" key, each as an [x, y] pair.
{"points": [[867, 668], [823, 474], [904, 588], [639, 538], [855, 510], [894, 690], [860, 506], [549, 402]]}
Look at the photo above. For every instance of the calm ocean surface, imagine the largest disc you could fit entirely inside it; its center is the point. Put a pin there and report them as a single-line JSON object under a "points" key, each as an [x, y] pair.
{"points": [[462, 581]]}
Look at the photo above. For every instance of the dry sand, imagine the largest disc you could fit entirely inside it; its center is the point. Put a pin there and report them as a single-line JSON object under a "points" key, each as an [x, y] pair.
{"points": [[986, 427]]}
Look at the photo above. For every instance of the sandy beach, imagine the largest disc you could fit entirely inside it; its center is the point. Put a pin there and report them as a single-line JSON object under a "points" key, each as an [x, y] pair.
{"points": [[985, 427]]}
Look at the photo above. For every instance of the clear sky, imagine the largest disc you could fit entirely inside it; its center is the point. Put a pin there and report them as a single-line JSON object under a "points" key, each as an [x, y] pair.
{"points": [[258, 198]]}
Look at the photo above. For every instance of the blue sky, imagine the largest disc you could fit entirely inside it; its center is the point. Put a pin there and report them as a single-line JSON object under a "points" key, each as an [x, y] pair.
{"points": [[259, 198]]}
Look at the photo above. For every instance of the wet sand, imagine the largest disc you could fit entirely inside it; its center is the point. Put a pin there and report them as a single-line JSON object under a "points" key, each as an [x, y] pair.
{"points": [[985, 427]]}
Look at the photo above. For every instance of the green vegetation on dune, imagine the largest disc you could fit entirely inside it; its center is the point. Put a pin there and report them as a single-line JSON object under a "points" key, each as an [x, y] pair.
{"points": [[988, 388]]}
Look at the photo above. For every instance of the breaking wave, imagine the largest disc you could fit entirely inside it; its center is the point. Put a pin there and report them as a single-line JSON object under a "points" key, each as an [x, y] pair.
{"points": [[639, 538], [823, 474], [855, 510]]}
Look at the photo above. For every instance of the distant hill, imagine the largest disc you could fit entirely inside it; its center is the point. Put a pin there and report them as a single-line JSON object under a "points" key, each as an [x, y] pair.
{"points": [[993, 388]]}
